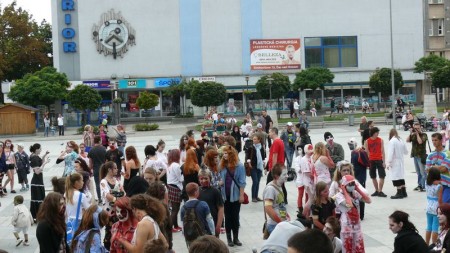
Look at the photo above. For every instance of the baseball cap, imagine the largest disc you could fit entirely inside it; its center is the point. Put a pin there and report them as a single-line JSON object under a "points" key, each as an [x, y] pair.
{"points": [[289, 124], [309, 148], [259, 125]]}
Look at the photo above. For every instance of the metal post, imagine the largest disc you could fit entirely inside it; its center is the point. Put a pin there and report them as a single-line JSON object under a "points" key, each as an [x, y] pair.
{"points": [[392, 66], [246, 94], [270, 79]]}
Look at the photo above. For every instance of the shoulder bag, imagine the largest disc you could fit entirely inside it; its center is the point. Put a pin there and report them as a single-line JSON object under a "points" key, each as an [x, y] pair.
{"points": [[424, 158], [72, 225]]}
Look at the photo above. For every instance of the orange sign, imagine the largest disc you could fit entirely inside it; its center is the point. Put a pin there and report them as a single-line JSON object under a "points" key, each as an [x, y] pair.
{"points": [[275, 54]]}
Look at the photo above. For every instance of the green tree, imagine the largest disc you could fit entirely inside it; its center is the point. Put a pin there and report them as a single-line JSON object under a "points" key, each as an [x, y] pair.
{"points": [[43, 87], [207, 93], [312, 78], [24, 45], [84, 98], [147, 100], [178, 91], [430, 63], [380, 81], [279, 87], [440, 78]]}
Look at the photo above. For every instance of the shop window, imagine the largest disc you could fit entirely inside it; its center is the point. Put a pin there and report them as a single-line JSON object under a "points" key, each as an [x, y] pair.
{"points": [[331, 52]]}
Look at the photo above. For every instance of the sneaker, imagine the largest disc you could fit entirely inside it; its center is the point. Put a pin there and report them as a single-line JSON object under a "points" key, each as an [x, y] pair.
{"points": [[254, 200], [417, 188], [5, 191], [259, 199], [18, 242], [175, 230], [381, 194], [23, 189], [26, 244], [374, 194], [13, 191]]}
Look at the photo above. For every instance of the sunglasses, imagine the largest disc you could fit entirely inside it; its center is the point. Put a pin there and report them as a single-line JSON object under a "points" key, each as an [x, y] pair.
{"points": [[351, 184]]}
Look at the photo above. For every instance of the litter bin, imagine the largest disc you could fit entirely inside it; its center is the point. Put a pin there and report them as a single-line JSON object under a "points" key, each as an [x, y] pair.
{"points": [[351, 120]]}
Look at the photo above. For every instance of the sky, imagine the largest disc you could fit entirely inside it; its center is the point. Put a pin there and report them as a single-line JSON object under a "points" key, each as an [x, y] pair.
{"points": [[40, 9]]}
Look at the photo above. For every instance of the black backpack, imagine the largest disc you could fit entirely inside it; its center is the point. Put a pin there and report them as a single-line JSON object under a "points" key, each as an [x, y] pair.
{"points": [[192, 225]]}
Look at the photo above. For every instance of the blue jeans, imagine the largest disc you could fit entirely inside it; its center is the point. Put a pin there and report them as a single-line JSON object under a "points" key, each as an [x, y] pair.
{"points": [[46, 131], [256, 178], [270, 228], [289, 155], [420, 170]]}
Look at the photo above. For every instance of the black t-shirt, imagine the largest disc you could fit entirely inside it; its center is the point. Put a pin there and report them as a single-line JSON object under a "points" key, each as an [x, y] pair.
{"points": [[35, 161], [98, 156], [268, 120], [366, 134], [116, 156], [213, 198], [324, 211]]}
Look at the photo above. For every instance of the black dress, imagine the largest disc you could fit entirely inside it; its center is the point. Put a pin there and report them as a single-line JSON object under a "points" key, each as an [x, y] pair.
{"points": [[133, 173], [37, 186]]}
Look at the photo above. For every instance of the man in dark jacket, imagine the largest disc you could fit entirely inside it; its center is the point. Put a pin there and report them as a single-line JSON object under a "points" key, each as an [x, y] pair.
{"points": [[335, 149]]}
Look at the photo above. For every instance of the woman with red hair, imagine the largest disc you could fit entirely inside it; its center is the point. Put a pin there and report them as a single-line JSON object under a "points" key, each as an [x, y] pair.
{"points": [[443, 241], [211, 161], [125, 227], [233, 175], [190, 170], [132, 165]]}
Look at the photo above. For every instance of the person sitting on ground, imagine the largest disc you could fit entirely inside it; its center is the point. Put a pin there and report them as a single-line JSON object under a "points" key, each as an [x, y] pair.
{"points": [[208, 243], [332, 229], [408, 239]]}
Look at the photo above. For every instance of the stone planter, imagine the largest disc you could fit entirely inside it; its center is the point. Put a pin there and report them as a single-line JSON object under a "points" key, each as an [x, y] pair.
{"points": [[184, 120]]}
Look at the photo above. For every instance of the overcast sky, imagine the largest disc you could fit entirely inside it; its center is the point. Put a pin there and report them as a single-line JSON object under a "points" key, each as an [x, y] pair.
{"points": [[40, 9]]}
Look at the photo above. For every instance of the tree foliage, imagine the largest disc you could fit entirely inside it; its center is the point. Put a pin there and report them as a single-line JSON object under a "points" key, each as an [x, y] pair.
{"points": [[281, 85], [312, 78], [84, 98], [430, 63], [43, 87], [147, 100], [380, 81], [177, 90], [440, 78], [207, 93], [24, 45]]}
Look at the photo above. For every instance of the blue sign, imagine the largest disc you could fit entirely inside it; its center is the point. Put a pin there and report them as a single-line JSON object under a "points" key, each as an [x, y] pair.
{"points": [[166, 82], [132, 84], [68, 33], [102, 84]]}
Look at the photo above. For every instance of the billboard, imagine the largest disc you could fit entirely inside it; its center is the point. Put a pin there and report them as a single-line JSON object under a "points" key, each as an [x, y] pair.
{"points": [[275, 54]]}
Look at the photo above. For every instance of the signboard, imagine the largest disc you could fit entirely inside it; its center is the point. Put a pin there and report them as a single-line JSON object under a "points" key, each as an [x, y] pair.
{"points": [[102, 84], [132, 84], [166, 82], [204, 79], [275, 54], [68, 33]]}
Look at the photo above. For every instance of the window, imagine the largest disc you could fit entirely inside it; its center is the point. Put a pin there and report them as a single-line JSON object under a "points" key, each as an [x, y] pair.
{"points": [[430, 30], [331, 52], [441, 27], [440, 1]]}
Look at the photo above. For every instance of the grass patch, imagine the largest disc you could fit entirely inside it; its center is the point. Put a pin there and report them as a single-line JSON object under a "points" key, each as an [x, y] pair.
{"points": [[146, 127]]}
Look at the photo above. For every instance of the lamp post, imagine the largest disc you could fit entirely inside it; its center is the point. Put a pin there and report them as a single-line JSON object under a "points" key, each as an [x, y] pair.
{"points": [[270, 79], [392, 66], [246, 94]]}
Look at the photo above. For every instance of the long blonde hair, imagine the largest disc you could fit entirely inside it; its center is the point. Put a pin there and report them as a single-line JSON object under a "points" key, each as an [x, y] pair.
{"points": [[70, 184], [319, 150]]}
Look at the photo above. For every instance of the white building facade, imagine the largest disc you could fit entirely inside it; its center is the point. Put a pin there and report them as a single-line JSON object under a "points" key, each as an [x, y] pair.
{"points": [[147, 44]]}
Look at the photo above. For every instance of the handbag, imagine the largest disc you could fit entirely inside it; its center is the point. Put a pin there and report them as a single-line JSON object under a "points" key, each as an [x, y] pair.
{"points": [[72, 225], [247, 166], [236, 183]]}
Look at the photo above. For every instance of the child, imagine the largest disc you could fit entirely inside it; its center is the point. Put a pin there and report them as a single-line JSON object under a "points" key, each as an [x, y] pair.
{"points": [[323, 206], [347, 201], [434, 190], [21, 220]]}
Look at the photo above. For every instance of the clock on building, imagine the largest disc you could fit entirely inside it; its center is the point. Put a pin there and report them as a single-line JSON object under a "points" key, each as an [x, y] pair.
{"points": [[113, 35]]}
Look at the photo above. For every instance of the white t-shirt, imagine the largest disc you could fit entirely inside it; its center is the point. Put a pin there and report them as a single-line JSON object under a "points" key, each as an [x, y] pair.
{"points": [[298, 170], [174, 175], [60, 121], [346, 104], [71, 209], [296, 105], [215, 116], [162, 157], [305, 167]]}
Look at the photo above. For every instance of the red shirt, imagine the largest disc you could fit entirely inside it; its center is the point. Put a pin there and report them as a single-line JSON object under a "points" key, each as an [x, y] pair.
{"points": [[118, 231], [374, 147], [276, 148]]}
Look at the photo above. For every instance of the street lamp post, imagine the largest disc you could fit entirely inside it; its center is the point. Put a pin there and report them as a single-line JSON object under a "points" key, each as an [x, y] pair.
{"points": [[246, 94], [392, 66], [270, 79]]}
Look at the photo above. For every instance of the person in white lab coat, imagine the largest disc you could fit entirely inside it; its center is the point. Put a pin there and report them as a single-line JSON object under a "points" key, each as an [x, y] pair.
{"points": [[396, 152]]}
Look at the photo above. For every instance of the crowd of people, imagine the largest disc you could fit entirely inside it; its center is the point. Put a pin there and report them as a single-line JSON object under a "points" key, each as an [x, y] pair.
{"points": [[198, 189]]}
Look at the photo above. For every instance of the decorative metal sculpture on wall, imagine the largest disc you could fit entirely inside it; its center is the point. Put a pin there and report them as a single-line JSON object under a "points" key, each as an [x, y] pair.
{"points": [[113, 34]]}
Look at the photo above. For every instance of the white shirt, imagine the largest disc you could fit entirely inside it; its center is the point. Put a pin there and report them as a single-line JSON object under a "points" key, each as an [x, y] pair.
{"points": [[162, 157], [396, 151], [296, 105], [215, 116], [60, 121], [365, 104], [174, 175], [71, 209], [298, 170], [305, 166], [346, 104]]}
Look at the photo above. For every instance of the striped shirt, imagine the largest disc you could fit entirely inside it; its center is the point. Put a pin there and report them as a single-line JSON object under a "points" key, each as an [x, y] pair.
{"points": [[440, 158]]}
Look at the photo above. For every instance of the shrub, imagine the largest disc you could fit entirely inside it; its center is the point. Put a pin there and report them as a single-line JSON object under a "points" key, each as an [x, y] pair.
{"points": [[186, 115], [308, 105], [145, 127]]}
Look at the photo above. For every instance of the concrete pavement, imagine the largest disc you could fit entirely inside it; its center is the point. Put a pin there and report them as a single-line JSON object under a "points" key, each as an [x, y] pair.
{"points": [[378, 237]]}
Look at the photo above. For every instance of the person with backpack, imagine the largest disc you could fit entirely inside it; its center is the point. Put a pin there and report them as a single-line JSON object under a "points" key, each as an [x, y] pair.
{"points": [[88, 237], [211, 195], [196, 216]]}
